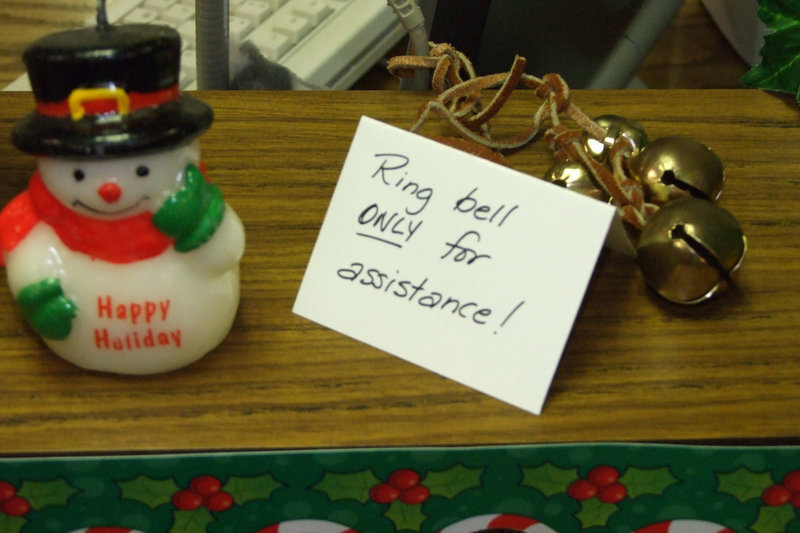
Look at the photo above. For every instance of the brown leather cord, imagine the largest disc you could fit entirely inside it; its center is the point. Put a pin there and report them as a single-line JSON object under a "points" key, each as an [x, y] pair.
{"points": [[458, 101], [475, 149]]}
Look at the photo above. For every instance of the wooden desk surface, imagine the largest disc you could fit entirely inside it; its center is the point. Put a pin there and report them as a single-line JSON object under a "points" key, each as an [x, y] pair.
{"points": [[635, 368]]}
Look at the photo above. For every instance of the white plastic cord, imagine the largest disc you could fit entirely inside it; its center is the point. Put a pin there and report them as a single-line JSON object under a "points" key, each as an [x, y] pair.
{"points": [[102, 14], [211, 22], [413, 21]]}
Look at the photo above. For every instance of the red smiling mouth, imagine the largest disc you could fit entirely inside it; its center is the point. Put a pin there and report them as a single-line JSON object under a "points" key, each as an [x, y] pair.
{"points": [[78, 203]]}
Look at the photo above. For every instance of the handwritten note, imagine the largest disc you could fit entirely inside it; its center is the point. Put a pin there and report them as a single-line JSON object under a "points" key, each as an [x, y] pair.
{"points": [[464, 267]]}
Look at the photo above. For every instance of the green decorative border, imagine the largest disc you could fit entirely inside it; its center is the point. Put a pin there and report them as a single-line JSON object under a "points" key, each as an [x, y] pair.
{"points": [[570, 488]]}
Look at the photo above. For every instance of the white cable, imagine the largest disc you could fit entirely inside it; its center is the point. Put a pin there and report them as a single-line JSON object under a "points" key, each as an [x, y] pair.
{"points": [[413, 21], [211, 26]]}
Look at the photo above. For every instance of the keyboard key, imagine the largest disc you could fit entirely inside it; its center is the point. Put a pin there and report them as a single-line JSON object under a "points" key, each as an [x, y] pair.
{"points": [[188, 32], [186, 77], [276, 27], [141, 16], [158, 5], [253, 11], [272, 45], [189, 62], [177, 14], [293, 26], [238, 28], [315, 10]]}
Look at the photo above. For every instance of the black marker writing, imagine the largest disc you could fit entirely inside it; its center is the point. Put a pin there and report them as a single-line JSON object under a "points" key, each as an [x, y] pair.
{"points": [[483, 212], [503, 323], [463, 253], [511, 313], [379, 239], [392, 225], [414, 292], [391, 173]]}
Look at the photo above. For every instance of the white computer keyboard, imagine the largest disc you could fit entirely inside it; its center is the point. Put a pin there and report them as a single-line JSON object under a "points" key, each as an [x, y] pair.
{"points": [[326, 43]]}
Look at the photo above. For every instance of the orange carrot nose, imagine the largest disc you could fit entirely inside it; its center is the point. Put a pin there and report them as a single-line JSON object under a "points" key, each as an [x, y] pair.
{"points": [[110, 192]]}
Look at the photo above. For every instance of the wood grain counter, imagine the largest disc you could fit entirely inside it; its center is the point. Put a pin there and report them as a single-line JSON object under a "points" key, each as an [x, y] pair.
{"points": [[635, 368]]}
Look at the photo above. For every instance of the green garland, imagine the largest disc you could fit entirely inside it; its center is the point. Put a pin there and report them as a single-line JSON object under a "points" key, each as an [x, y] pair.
{"points": [[779, 69]]}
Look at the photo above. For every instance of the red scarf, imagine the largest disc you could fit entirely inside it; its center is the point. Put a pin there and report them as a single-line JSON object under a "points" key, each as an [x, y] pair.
{"points": [[117, 241]]}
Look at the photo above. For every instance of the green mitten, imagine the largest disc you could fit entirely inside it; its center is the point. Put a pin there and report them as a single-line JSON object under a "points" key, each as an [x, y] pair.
{"points": [[193, 213], [49, 312]]}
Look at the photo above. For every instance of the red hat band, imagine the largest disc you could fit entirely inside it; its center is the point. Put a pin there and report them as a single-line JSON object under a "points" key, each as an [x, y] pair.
{"points": [[104, 101]]}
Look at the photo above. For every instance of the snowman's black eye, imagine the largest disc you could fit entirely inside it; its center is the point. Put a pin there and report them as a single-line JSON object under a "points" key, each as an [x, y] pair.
{"points": [[78, 174], [142, 171]]}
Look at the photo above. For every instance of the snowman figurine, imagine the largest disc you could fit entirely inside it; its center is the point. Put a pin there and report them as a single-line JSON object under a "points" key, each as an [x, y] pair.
{"points": [[121, 255]]}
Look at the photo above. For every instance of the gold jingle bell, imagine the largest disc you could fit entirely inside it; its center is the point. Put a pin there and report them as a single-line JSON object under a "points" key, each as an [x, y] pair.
{"points": [[690, 249], [677, 167], [576, 177], [615, 127]]}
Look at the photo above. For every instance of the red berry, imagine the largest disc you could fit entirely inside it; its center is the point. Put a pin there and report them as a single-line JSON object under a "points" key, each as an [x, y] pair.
{"points": [[205, 485], [221, 501], [603, 476], [415, 495], [776, 495], [15, 506], [582, 489], [613, 493], [792, 481], [403, 479], [795, 501], [383, 493], [186, 500], [7, 490]]}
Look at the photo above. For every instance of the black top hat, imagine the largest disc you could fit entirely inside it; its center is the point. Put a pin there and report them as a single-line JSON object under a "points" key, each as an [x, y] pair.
{"points": [[108, 91]]}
